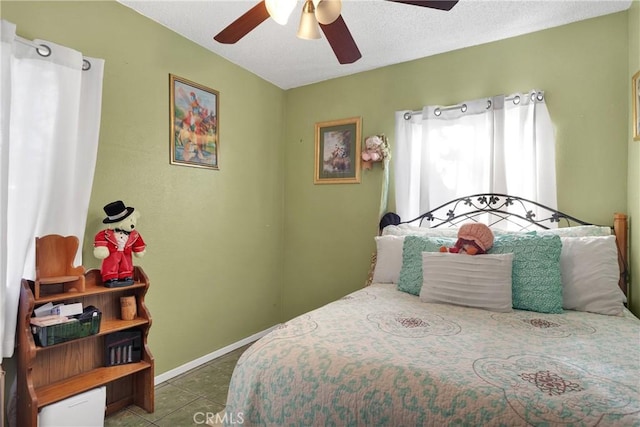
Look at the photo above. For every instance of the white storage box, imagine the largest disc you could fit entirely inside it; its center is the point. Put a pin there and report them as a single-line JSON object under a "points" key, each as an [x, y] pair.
{"points": [[82, 410]]}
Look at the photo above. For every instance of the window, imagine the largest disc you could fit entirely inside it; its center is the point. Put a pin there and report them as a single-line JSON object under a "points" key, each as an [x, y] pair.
{"points": [[503, 144]]}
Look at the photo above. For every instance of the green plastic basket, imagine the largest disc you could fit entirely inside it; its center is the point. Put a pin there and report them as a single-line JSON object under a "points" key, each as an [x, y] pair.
{"points": [[55, 334]]}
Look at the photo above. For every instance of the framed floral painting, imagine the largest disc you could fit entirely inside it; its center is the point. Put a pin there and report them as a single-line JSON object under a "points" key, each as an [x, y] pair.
{"points": [[337, 151]]}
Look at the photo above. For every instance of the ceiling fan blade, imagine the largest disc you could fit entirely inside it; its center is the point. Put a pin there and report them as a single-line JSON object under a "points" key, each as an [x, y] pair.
{"points": [[433, 4], [341, 41], [243, 25]]}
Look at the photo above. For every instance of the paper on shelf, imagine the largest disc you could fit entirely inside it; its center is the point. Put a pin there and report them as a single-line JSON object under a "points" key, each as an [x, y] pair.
{"points": [[67, 309], [43, 310], [53, 319]]}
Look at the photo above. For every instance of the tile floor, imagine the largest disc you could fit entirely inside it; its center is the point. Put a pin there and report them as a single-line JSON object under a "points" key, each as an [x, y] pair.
{"points": [[182, 401]]}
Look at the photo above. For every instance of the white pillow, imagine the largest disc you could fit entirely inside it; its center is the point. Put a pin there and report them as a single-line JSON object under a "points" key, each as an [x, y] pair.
{"points": [[480, 281], [415, 230], [590, 275], [578, 231], [388, 259]]}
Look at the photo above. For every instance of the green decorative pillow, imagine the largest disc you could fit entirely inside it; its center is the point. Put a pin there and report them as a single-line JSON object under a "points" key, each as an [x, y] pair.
{"points": [[410, 279], [536, 281]]}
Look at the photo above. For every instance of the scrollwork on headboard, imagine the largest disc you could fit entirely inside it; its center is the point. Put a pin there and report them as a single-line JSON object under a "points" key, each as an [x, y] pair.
{"points": [[516, 212], [509, 212]]}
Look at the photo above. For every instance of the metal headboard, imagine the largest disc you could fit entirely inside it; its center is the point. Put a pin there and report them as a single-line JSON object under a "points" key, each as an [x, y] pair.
{"points": [[492, 209], [514, 213]]}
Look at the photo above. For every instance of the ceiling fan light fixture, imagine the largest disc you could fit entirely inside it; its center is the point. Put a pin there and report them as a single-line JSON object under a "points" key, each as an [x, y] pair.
{"points": [[327, 11], [308, 28], [280, 10]]}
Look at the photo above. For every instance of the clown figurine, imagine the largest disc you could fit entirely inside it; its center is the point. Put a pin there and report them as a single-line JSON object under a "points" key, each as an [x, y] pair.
{"points": [[115, 245]]}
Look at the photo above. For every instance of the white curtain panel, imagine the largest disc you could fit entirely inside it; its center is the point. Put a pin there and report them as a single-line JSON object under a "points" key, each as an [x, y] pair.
{"points": [[503, 144], [50, 124]]}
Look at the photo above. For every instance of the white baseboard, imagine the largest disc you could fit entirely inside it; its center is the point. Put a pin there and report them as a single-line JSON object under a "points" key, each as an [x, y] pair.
{"points": [[209, 357]]}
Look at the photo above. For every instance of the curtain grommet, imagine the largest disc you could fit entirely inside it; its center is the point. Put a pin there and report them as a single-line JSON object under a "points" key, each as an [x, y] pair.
{"points": [[45, 48]]}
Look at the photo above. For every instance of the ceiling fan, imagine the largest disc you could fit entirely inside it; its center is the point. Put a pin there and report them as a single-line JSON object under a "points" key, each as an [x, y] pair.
{"points": [[324, 14]]}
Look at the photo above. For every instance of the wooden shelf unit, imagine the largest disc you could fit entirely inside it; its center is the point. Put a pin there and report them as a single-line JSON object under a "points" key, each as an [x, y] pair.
{"points": [[49, 374]]}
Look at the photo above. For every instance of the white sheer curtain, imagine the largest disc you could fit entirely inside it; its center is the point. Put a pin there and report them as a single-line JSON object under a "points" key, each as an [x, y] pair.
{"points": [[49, 127], [503, 144]]}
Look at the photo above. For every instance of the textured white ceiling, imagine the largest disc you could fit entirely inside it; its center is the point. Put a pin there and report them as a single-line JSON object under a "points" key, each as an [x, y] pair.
{"points": [[386, 32]]}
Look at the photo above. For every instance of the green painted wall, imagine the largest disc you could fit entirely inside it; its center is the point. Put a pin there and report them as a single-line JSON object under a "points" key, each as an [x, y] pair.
{"points": [[232, 252], [583, 69], [634, 160], [214, 238]]}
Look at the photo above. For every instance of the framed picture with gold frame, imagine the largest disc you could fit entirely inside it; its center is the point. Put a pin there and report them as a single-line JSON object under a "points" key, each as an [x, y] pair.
{"points": [[194, 122], [337, 151], [635, 93]]}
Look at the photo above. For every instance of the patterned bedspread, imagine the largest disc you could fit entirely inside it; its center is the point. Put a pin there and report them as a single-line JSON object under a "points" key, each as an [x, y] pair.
{"points": [[381, 357]]}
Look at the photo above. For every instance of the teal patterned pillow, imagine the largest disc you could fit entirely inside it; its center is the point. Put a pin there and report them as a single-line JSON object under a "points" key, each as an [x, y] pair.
{"points": [[410, 279], [536, 280]]}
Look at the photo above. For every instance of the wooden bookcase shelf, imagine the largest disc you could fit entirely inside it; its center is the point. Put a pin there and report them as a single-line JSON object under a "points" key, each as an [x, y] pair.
{"points": [[106, 327], [91, 289], [50, 374], [54, 392]]}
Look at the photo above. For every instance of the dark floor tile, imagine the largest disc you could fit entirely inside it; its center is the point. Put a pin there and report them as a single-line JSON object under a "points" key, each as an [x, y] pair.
{"points": [[209, 381], [192, 414], [226, 362], [168, 398], [126, 418]]}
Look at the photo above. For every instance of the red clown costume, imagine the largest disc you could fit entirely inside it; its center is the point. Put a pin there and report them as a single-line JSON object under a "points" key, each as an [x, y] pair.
{"points": [[117, 267]]}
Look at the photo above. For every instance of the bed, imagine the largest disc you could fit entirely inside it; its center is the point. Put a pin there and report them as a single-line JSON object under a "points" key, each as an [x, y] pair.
{"points": [[423, 348]]}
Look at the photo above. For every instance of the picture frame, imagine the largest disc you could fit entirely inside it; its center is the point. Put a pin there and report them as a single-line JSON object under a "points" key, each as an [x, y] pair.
{"points": [[635, 94], [337, 151], [194, 119]]}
